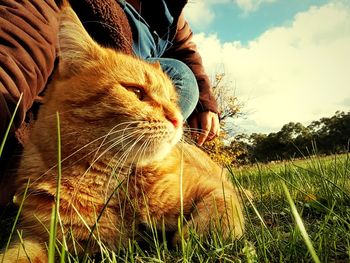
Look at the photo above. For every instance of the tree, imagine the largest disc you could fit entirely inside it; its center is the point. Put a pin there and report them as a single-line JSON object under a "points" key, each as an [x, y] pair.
{"points": [[331, 135], [223, 151], [221, 148], [228, 104]]}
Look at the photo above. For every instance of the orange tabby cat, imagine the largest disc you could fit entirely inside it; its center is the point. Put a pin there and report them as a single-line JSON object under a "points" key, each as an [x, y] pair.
{"points": [[123, 164]]}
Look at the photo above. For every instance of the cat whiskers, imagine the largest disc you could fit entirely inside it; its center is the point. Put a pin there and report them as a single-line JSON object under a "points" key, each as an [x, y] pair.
{"points": [[110, 133], [123, 158], [72, 154], [115, 141], [121, 162], [112, 145], [120, 166], [142, 151], [108, 191]]}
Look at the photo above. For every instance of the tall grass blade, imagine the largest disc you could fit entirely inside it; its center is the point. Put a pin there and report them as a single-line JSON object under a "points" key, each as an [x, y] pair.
{"points": [[55, 209], [9, 126], [15, 222], [52, 237], [19, 234], [91, 231], [63, 254], [300, 225]]}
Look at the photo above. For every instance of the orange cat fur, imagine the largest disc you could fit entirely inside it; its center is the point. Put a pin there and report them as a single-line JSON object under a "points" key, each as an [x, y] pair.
{"points": [[121, 156]]}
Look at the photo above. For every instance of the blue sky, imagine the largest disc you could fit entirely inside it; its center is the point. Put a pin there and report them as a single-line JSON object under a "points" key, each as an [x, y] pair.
{"points": [[232, 23], [285, 60]]}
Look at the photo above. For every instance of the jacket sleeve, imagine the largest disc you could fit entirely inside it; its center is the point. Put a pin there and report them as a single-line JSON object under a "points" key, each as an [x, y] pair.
{"points": [[186, 51], [28, 38]]}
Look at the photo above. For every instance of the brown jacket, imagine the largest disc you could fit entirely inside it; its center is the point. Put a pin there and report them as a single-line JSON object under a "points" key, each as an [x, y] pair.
{"points": [[28, 37], [186, 51], [28, 32]]}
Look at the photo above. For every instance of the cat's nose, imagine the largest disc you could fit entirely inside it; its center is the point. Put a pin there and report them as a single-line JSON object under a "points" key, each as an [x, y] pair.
{"points": [[175, 122], [174, 117]]}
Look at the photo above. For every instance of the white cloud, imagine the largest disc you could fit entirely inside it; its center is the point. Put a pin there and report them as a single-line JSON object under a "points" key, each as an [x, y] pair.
{"points": [[251, 5], [299, 72], [200, 12]]}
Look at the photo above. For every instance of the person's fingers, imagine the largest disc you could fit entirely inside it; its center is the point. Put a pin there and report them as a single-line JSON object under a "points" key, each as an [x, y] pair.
{"points": [[206, 126], [215, 127]]}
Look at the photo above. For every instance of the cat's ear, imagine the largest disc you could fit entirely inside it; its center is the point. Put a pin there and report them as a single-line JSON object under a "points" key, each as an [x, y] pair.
{"points": [[76, 47]]}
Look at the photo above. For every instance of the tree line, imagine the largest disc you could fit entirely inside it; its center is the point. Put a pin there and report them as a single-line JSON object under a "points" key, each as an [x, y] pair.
{"points": [[294, 140], [327, 135]]}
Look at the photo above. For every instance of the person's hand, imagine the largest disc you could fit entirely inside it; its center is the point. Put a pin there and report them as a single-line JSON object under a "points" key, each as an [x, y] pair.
{"points": [[205, 124]]}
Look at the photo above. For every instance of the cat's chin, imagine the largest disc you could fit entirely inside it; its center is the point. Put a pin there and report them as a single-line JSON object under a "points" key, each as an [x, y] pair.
{"points": [[156, 151], [156, 156]]}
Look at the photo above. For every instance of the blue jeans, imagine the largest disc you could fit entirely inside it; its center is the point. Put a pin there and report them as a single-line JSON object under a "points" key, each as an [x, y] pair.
{"points": [[184, 82], [148, 45]]}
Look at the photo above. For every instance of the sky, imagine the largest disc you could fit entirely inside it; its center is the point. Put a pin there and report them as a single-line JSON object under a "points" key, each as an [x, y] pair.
{"points": [[285, 60]]}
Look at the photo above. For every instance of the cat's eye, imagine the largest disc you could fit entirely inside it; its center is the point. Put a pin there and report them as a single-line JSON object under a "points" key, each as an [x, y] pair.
{"points": [[140, 93]]}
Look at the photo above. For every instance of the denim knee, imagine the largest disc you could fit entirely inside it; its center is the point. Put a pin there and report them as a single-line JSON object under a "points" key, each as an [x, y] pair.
{"points": [[184, 81]]}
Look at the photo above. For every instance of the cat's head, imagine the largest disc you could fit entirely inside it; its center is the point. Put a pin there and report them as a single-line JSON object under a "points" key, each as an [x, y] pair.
{"points": [[121, 100]]}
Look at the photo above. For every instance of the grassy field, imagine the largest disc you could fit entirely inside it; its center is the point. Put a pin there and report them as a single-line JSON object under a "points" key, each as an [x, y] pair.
{"points": [[320, 189]]}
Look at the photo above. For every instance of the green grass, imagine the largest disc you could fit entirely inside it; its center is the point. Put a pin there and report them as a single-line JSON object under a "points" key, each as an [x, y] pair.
{"points": [[300, 213], [3, 141], [320, 188]]}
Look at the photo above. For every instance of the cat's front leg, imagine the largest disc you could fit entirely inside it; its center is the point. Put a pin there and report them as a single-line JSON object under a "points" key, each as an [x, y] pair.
{"points": [[207, 204], [218, 210]]}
